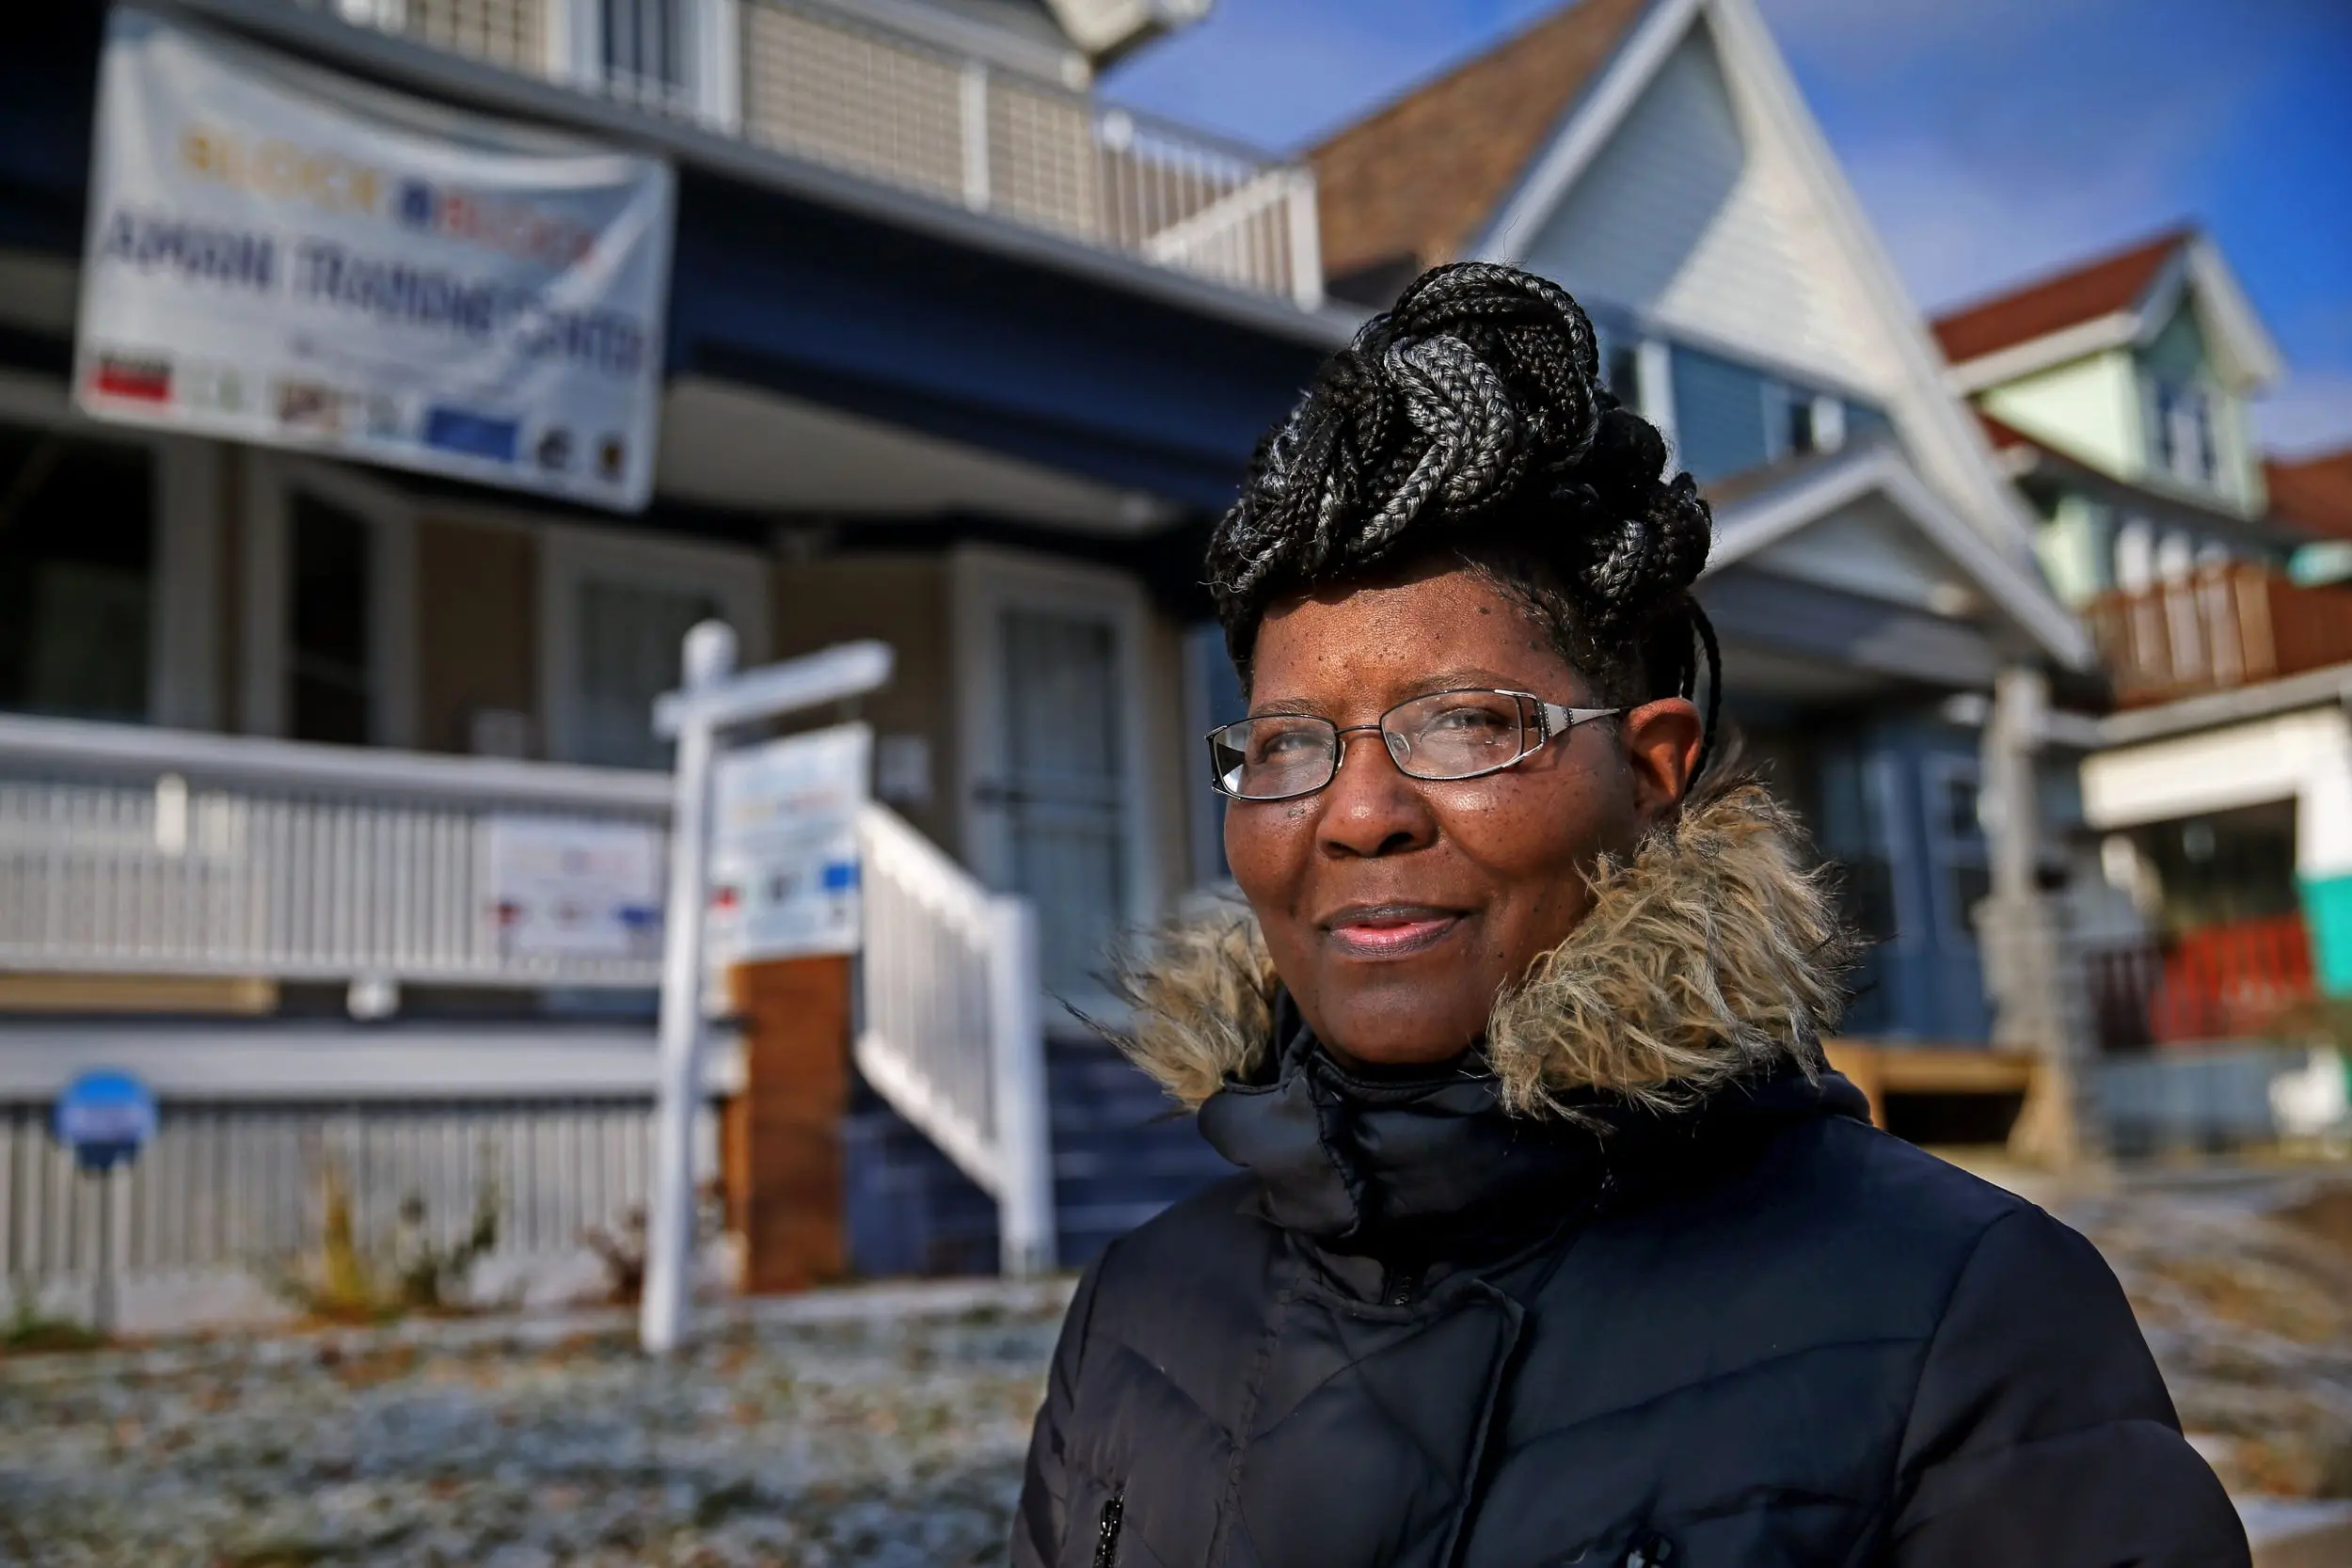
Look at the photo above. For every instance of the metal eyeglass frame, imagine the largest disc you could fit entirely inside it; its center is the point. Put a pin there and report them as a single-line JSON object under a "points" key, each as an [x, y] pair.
{"points": [[1552, 719]]}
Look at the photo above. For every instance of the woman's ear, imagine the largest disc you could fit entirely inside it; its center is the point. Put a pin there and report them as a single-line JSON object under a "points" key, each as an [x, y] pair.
{"points": [[1662, 748]]}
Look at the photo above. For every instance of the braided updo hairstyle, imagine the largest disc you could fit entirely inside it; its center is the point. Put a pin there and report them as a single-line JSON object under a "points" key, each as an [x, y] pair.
{"points": [[1470, 420]]}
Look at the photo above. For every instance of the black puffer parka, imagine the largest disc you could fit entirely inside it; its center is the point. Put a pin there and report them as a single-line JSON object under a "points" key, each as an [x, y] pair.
{"points": [[1421, 1332]]}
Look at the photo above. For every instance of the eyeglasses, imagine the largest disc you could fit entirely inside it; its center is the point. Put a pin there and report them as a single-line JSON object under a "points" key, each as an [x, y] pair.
{"points": [[1442, 736]]}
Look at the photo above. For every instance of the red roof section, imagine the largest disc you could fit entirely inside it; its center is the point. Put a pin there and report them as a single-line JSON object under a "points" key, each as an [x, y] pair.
{"points": [[1410, 184], [2316, 492], [2096, 289]]}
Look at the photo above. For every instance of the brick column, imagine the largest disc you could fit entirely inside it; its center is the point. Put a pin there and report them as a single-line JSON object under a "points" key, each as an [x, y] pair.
{"points": [[780, 1146]]}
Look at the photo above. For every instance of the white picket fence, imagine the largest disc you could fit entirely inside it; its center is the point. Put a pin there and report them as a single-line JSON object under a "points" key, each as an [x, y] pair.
{"points": [[884, 92], [127, 850]]}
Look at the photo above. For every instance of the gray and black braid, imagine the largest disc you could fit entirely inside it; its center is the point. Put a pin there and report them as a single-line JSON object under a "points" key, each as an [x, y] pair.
{"points": [[1471, 417]]}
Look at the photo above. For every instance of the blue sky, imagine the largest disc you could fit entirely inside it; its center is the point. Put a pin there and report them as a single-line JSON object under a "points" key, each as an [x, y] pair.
{"points": [[1989, 139]]}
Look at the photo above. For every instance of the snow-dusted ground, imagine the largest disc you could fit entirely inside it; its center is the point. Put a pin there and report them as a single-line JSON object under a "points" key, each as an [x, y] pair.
{"points": [[886, 1428]]}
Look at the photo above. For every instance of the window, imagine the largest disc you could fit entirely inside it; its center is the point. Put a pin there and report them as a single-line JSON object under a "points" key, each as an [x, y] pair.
{"points": [[76, 575], [629, 639], [2182, 421], [1800, 437], [1960, 860], [329, 673], [1212, 697], [614, 611], [1622, 368], [645, 47], [1720, 419]]}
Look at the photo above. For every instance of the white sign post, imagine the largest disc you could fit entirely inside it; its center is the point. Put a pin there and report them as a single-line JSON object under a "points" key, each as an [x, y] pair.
{"points": [[714, 699], [282, 255]]}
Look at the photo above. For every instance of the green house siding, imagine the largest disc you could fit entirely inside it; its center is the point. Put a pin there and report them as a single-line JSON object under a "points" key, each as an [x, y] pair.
{"points": [[2076, 545], [2328, 915], [2090, 407]]}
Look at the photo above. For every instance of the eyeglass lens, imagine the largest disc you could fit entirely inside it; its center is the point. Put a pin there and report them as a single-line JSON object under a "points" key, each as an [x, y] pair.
{"points": [[1447, 735]]}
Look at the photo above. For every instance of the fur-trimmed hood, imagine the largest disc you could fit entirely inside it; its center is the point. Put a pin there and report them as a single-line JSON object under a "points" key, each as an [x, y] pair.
{"points": [[1712, 955]]}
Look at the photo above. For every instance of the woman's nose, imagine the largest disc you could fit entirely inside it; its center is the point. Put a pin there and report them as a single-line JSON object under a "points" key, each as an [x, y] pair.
{"points": [[1370, 807]]}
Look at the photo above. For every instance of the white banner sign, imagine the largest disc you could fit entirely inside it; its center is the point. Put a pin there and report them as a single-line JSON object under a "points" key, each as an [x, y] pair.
{"points": [[565, 888], [783, 860], [281, 255]]}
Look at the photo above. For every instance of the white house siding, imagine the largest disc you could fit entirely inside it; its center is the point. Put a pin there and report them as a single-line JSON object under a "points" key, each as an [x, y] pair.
{"points": [[1690, 216]]}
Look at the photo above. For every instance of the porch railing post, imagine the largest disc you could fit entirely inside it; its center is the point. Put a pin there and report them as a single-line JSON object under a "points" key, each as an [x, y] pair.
{"points": [[1021, 1129]]}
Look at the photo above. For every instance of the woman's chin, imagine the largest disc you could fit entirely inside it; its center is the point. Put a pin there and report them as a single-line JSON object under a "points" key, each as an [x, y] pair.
{"points": [[1399, 1031]]}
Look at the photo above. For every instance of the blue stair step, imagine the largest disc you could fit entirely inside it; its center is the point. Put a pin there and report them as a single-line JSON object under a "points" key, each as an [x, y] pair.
{"points": [[1122, 1152]]}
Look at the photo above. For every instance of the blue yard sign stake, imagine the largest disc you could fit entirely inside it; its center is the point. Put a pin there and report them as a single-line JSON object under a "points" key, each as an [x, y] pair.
{"points": [[104, 1117]]}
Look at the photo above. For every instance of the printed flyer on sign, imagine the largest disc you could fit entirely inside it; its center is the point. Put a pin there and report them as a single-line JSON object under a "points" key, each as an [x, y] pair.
{"points": [[784, 860], [561, 887], [280, 255]]}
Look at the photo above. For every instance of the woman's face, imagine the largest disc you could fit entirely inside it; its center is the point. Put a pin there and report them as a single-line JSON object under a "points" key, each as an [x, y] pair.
{"points": [[1395, 908]]}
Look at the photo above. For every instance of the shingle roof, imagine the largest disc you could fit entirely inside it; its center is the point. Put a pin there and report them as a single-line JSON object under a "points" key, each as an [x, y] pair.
{"points": [[2081, 294], [1412, 184], [2316, 492]]}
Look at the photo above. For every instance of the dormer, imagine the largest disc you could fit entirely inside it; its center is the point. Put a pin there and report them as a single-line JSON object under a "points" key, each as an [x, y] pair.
{"points": [[2139, 363]]}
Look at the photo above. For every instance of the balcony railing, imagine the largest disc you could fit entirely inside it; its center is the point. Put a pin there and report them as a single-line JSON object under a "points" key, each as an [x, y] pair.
{"points": [[2230, 981], [815, 80], [2224, 626]]}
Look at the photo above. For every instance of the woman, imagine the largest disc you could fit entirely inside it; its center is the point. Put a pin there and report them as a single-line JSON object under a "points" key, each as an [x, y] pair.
{"points": [[1554, 1240]]}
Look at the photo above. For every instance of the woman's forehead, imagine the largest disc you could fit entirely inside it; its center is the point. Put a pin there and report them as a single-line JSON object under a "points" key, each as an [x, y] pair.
{"points": [[1452, 625]]}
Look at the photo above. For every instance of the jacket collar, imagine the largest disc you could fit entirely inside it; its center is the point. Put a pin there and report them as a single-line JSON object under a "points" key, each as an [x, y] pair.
{"points": [[1695, 992]]}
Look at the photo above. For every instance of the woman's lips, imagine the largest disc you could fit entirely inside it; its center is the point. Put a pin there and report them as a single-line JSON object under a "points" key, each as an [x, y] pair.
{"points": [[1391, 930]]}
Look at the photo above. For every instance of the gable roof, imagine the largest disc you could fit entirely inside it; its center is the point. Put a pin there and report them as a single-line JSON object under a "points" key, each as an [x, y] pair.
{"points": [[1414, 183], [2123, 299], [2101, 287], [2315, 492], [1773, 504]]}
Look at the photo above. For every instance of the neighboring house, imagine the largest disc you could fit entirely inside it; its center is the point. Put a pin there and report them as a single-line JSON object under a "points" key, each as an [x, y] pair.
{"points": [[957, 357], [2220, 790], [1872, 564]]}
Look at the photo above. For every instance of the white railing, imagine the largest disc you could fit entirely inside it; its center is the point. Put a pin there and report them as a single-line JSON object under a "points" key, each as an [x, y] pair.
{"points": [[128, 850], [833, 83], [132, 851], [951, 1033]]}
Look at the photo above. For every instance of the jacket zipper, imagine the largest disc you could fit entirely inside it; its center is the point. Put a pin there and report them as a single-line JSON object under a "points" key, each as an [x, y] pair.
{"points": [[1106, 1533]]}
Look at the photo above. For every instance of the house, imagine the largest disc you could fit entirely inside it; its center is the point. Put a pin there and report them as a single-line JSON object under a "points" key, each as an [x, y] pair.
{"points": [[955, 356], [2215, 882], [1873, 577]]}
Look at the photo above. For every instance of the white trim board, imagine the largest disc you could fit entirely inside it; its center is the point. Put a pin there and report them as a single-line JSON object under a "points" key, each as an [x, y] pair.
{"points": [[2305, 757], [1950, 443], [330, 1061], [1752, 525]]}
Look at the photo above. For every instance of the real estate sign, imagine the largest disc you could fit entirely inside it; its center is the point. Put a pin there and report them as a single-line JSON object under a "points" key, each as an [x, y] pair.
{"points": [[784, 854], [281, 255]]}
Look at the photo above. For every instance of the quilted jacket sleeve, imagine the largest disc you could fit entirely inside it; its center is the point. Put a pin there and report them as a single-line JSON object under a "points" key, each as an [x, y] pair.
{"points": [[2040, 1432], [1041, 1520]]}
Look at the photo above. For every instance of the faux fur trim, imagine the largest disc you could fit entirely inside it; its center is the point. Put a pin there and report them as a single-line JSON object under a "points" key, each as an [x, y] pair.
{"points": [[1713, 955]]}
